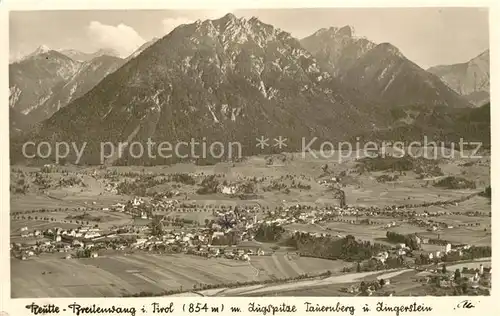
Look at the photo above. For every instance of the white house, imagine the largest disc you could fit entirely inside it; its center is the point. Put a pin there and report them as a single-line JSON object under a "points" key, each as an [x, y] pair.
{"points": [[447, 248], [228, 190], [137, 201], [384, 255], [141, 241], [217, 234], [90, 235]]}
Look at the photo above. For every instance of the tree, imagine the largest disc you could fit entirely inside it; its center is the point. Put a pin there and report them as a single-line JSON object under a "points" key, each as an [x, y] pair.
{"points": [[324, 168], [444, 269], [156, 227], [363, 286], [458, 275], [413, 243], [464, 288]]}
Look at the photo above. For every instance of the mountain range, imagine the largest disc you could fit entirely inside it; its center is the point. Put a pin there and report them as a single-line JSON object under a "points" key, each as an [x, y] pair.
{"points": [[46, 80], [33, 80], [233, 79], [83, 57], [379, 70], [470, 79]]}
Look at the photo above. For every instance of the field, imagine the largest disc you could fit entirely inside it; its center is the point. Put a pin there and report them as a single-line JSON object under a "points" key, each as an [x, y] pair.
{"points": [[462, 235], [119, 275], [376, 194], [327, 286], [402, 282], [285, 266], [35, 202], [69, 219]]}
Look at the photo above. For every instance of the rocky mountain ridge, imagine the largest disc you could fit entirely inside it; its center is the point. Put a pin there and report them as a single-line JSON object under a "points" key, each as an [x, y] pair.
{"points": [[470, 79]]}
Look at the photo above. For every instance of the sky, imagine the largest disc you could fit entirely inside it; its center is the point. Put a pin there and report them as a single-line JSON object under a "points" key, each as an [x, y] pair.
{"points": [[427, 36]]}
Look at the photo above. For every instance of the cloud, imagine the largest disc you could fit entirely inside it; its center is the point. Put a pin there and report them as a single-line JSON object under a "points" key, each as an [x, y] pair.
{"points": [[15, 56], [171, 23], [122, 38]]}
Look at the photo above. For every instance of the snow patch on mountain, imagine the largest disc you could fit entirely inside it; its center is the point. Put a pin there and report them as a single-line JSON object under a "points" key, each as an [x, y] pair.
{"points": [[211, 109], [37, 104], [14, 94]]}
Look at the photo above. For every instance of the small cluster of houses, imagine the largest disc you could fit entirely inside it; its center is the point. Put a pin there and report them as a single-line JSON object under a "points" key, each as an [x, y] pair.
{"points": [[25, 251], [402, 249], [369, 288], [234, 253], [56, 240], [58, 233], [448, 279], [301, 214], [432, 225], [197, 243]]}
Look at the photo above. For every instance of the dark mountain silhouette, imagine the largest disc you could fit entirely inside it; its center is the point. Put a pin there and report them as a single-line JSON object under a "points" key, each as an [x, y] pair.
{"points": [[381, 71]]}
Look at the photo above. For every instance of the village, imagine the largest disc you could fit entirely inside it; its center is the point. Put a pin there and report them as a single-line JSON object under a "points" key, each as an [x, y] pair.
{"points": [[226, 234], [281, 227]]}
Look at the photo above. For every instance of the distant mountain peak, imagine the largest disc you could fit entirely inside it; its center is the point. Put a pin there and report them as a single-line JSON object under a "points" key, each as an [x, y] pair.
{"points": [[229, 17], [337, 48], [42, 49], [346, 31], [333, 32], [107, 51], [470, 79], [230, 29], [228, 20], [83, 56]]}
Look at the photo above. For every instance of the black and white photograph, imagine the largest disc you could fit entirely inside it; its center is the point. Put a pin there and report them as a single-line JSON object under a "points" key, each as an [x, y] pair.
{"points": [[274, 152]]}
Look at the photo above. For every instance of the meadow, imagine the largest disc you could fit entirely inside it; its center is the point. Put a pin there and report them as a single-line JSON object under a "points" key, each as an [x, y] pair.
{"points": [[110, 276]]}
